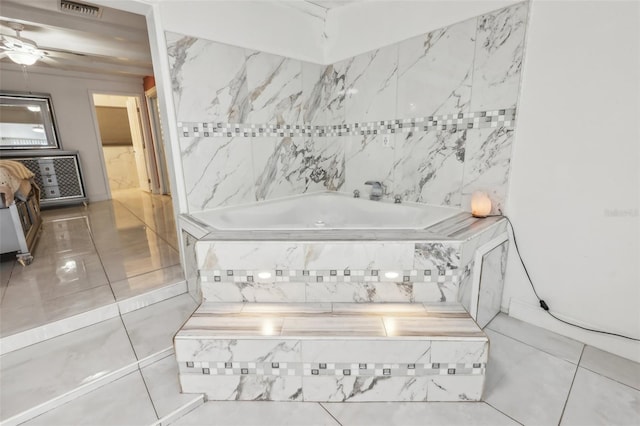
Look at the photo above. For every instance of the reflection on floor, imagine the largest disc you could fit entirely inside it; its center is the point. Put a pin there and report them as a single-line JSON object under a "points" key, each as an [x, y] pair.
{"points": [[89, 257]]}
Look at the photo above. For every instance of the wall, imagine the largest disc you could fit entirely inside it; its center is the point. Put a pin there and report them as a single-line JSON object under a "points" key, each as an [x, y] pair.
{"points": [[72, 103], [574, 189], [447, 100], [274, 27], [389, 22]]}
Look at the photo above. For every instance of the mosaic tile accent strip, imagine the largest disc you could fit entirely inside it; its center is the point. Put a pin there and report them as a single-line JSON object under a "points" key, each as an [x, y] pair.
{"points": [[440, 275], [217, 368], [451, 122]]}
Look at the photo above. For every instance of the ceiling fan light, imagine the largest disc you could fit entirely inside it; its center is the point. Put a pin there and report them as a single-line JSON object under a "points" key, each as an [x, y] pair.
{"points": [[23, 58]]}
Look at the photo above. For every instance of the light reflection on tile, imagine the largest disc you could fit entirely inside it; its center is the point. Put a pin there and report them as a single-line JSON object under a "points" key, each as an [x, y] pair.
{"points": [[332, 326], [147, 282], [16, 318]]}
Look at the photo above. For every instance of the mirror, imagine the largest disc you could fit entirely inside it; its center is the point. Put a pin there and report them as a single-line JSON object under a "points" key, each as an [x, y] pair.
{"points": [[27, 121]]}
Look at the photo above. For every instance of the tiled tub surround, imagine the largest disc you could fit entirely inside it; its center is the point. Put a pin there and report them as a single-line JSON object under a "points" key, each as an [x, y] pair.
{"points": [[336, 314], [346, 265], [432, 116], [332, 352]]}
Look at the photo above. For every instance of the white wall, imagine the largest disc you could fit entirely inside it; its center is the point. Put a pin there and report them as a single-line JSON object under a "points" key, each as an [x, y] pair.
{"points": [[363, 26], [74, 113], [270, 27], [574, 187]]}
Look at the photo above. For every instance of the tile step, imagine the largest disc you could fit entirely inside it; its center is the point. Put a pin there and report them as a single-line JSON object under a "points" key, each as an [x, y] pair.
{"points": [[330, 352], [57, 328]]}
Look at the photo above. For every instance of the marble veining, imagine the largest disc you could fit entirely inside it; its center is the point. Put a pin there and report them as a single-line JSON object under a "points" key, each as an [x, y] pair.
{"points": [[487, 165], [215, 171], [209, 79], [371, 85], [430, 169], [275, 89], [498, 57], [435, 71]]}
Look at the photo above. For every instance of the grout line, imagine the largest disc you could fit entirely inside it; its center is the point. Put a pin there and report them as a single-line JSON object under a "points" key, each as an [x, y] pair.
{"points": [[566, 401], [144, 381], [607, 377], [537, 348], [329, 412], [502, 412], [155, 231]]}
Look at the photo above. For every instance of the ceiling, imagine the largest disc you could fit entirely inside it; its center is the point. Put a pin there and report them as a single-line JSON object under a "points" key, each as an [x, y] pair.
{"points": [[115, 43]]}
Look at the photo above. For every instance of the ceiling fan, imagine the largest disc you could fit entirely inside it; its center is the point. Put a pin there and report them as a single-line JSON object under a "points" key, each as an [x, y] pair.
{"points": [[19, 49]]}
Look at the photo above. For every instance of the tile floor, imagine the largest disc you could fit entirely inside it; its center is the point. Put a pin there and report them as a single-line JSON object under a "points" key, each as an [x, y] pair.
{"points": [[535, 377], [89, 257]]}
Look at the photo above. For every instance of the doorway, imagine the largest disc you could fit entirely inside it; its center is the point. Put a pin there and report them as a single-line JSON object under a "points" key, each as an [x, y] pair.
{"points": [[123, 144]]}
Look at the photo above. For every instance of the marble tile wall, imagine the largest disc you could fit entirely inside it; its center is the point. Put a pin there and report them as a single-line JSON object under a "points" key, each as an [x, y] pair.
{"points": [[121, 167], [432, 117], [329, 272]]}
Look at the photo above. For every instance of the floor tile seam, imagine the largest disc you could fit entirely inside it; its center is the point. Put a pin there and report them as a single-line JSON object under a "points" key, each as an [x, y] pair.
{"points": [[71, 395], [503, 413], [610, 378], [155, 231], [329, 412], [111, 305], [537, 348], [146, 387], [573, 380], [68, 295], [115, 304], [144, 273]]}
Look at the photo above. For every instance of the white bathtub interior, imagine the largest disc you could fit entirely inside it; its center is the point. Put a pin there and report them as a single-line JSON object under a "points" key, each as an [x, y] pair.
{"points": [[325, 210]]}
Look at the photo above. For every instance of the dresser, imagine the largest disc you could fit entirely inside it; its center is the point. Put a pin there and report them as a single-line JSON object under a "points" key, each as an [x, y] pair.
{"points": [[57, 173]]}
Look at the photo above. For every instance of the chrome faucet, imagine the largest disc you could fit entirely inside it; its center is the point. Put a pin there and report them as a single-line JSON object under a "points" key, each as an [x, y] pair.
{"points": [[377, 189]]}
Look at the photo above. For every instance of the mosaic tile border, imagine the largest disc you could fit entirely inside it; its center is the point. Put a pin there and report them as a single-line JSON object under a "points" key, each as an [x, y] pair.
{"points": [[217, 368], [451, 122], [440, 275]]}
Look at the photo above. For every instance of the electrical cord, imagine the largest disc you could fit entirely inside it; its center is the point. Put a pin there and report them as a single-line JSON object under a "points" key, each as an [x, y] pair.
{"points": [[544, 304]]}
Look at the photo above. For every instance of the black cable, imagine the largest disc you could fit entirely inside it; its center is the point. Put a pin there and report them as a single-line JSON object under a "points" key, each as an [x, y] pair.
{"points": [[544, 304]]}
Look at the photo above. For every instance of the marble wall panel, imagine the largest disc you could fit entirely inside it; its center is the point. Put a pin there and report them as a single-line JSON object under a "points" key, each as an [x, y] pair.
{"points": [[429, 167], [498, 58], [371, 85], [486, 166], [209, 80], [216, 171], [369, 157], [274, 89], [435, 71]]}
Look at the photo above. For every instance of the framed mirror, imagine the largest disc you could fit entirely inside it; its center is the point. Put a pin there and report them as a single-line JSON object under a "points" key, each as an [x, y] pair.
{"points": [[27, 121]]}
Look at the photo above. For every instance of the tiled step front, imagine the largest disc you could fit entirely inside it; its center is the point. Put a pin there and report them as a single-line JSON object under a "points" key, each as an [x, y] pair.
{"points": [[332, 352]]}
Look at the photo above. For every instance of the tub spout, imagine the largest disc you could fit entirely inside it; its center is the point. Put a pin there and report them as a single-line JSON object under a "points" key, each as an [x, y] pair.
{"points": [[376, 189]]}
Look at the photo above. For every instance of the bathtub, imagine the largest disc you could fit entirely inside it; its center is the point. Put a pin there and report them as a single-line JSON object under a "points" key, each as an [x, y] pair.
{"points": [[326, 210]]}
